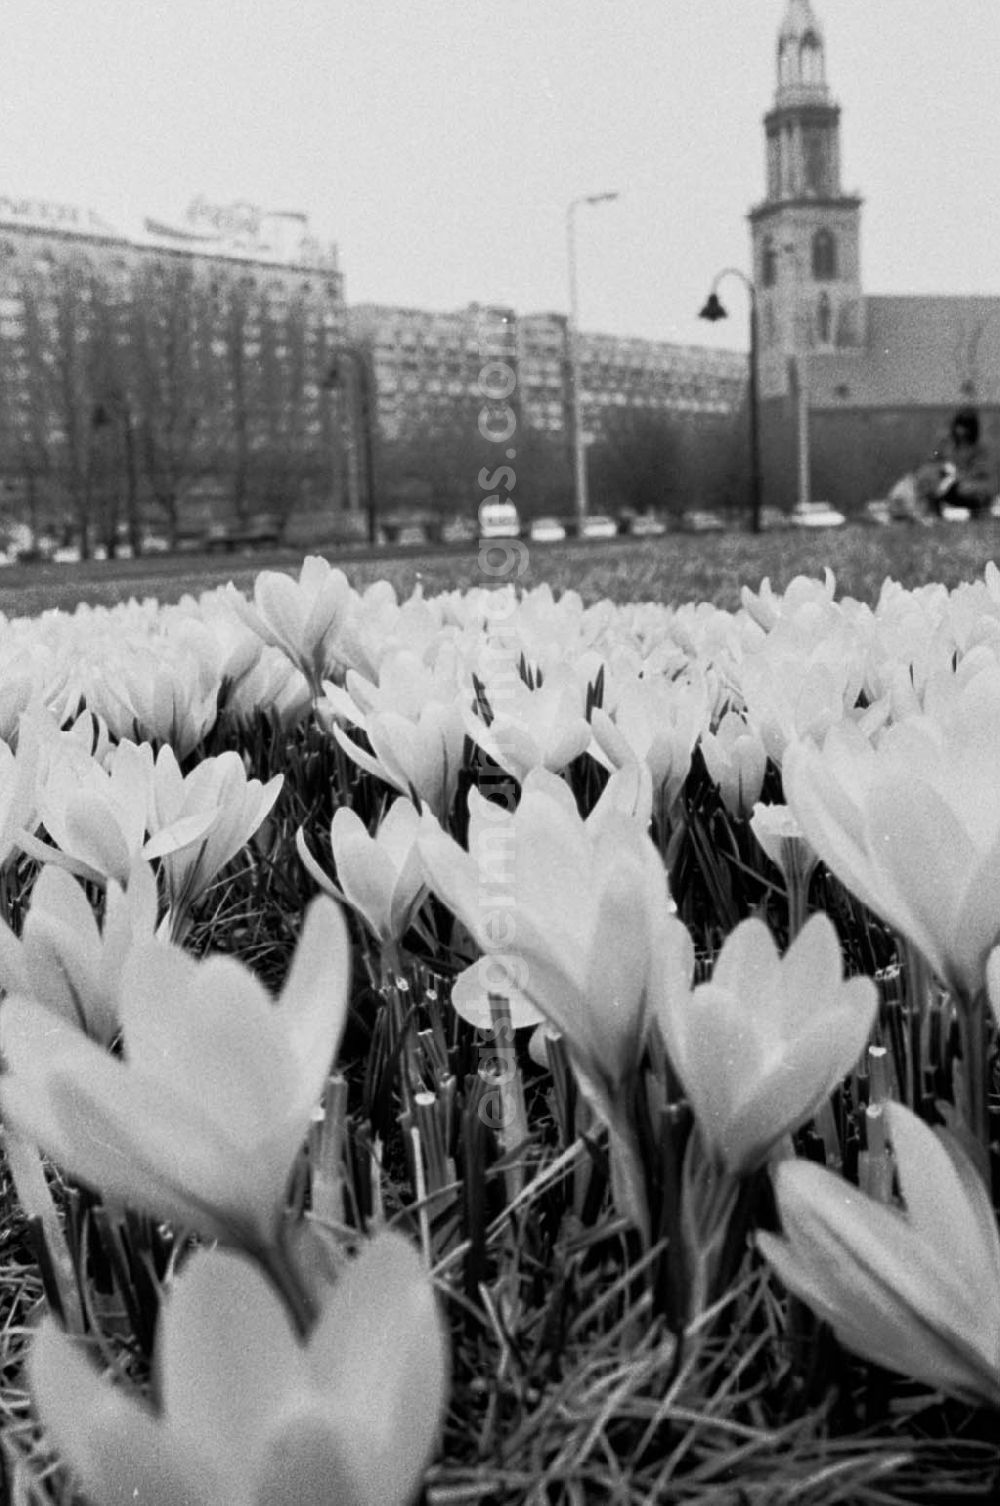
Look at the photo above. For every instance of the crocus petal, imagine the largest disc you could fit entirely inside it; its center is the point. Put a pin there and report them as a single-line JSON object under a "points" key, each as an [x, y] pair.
{"points": [[228, 1396], [114, 1444], [882, 1288], [381, 1325], [470, 994], [921, 851]]}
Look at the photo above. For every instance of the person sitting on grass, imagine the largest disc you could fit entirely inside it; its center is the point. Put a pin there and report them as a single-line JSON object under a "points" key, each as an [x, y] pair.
{"points": [[961, 473]]}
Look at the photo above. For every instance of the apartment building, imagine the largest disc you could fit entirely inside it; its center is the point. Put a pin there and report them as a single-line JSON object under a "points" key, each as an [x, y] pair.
{"points": [[240, 306], [425, 365]]}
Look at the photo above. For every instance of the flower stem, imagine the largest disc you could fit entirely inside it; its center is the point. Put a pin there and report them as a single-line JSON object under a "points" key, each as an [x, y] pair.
{"points": [[972, 1029], [281, 1269]]}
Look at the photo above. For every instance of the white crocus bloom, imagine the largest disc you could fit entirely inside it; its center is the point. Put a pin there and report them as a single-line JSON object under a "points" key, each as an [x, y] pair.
{"points": [[304, 618], [198, 822], [161, 694], [661, 721], [202, 1116], [381, 876], [916, 1289], [95, 816], [570, 913], [761, 1045], [62, 959], [912, 826], [19, 773], [248, 1414], [736, 760], [421, 754], [803, 598], [544, 728]]}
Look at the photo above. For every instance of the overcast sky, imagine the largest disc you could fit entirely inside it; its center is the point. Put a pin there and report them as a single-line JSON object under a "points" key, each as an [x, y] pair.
{"points": [[438, 142]]}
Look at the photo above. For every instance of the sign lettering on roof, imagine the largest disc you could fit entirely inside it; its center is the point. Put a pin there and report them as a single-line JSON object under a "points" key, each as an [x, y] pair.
{"points": [[52, 216], [237, 222]]}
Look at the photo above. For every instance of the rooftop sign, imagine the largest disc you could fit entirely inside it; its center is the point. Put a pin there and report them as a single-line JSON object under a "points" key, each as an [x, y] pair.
{"points": [[51, 216]]}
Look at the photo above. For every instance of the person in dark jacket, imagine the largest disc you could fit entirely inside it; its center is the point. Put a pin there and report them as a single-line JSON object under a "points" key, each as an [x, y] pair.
{"points": [[962, 473]]}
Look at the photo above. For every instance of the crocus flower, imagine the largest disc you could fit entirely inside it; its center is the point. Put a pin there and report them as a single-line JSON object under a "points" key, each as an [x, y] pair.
{"points": [[18, 781], [661, 720], [760, 1046], [95, 815], [304, 618], [201, 1118], [246, 1413], [576, 914], [735, 759], [801, 595], [63, 961], [381, 877], [915, 1290], [585, 904], [912, 826], [780, 835], [544, 728], [161, 693], [423, 754], [198, 822]]}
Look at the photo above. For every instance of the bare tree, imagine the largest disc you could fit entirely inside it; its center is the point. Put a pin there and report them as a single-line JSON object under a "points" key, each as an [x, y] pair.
{"points": [[173, 413], [60, 342], [240, 344], [286, 387]]}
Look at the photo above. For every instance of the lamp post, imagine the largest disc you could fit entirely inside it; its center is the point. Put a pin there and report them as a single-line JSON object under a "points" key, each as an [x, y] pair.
{"points": [[576, 424], [103, 416], [713, 311], [362, 414]]}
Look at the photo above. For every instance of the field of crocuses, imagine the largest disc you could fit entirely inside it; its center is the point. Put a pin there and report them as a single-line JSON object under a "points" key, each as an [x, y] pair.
{"points": [[486, 1048]]}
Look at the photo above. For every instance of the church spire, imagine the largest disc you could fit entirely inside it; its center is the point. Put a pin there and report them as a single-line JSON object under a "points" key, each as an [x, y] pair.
{"points": [[801, 59], [806, 230]]}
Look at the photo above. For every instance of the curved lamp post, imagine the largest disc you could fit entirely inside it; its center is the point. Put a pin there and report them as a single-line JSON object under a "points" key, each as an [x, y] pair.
{"points": [[336, 380], [579, 448], [713, 311]]}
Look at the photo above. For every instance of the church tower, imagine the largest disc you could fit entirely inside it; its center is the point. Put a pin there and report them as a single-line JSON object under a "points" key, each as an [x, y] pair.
{"points": [[805, 233]]}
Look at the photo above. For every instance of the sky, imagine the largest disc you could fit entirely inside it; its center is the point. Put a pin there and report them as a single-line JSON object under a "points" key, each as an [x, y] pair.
{"points": [[439, 142]]}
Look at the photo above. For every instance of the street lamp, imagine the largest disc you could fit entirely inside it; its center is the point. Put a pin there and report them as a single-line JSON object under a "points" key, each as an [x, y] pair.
{"points": [[336, 379], [575, 416], [103, 416], [713, 311]]}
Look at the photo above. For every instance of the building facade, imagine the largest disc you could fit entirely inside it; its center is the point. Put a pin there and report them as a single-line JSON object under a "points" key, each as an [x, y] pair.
{"points": [[855, 388], [428, 365], [204, 345]]}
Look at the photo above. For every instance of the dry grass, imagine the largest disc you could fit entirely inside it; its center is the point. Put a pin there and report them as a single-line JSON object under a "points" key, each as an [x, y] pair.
{"points": [[568, 1389], [676, 568]]}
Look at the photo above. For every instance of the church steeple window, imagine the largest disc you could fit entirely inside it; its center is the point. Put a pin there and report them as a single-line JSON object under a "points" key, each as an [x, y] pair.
{"points": [[786, 63], [768, 263], [824, 318], [824, 256], [816, 160], [811, 59]]}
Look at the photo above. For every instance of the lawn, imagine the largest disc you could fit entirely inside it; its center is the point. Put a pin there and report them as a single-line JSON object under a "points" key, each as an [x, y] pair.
{"points": [[587, 1299], [672, 569]]}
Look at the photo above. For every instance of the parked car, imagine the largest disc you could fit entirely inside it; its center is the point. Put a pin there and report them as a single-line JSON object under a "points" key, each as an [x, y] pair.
{"points": [[546, 531], [774, 517], [412, 535], [816, 515], [598, 526], [643, 525], [499, 520], [458, 531], [700, 520]]}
